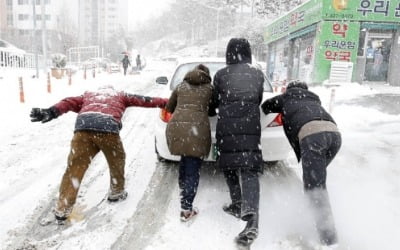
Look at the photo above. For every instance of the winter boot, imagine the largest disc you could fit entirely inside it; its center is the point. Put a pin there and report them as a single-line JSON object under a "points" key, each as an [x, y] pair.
{"points": [[60, 220], [114, 197], [250, 232], [233, 209], [187, 215]]}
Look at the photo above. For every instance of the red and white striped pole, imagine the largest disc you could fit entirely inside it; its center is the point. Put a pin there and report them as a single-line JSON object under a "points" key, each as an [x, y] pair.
{"points": [[48, 83], [21, 90], [332, 100], [69, 77]]}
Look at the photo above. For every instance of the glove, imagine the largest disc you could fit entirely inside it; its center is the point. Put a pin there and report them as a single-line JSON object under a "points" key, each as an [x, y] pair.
{"points": [[43, 115], [36, 115]]}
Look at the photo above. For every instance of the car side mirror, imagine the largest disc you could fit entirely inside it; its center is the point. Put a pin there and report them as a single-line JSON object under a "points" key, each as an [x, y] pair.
{"points": [[162, 80]]}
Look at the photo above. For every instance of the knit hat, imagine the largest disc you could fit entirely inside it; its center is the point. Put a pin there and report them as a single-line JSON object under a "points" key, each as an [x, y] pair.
{"points": [[238, 51]]}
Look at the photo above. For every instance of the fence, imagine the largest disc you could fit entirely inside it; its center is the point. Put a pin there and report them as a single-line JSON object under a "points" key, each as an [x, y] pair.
{"points": [[10, 59]]}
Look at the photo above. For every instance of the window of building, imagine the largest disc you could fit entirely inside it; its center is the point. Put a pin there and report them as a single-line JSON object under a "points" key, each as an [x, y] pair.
{"points": [[22, 2], [46, 2], [10, 20], [24, 32], [23, 17]]}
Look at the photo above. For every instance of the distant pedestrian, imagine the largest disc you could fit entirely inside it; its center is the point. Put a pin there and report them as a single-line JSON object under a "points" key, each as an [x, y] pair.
{"points": [[315, 139], [138, 62], [238, 94], [188, 132], [97, 129], [125, 63]]}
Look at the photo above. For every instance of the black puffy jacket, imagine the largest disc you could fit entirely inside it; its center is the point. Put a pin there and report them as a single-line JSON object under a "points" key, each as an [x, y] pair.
{"points": [[298, 107], [238, 94]]}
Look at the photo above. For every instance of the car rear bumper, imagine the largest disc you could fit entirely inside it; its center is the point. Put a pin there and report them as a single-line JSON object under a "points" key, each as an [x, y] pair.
{"points": [[275, 146]]}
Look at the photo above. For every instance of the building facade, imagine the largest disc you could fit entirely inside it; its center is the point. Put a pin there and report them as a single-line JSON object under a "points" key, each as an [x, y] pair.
{"points": [[304, 43], [22, 22], [101, 20]]}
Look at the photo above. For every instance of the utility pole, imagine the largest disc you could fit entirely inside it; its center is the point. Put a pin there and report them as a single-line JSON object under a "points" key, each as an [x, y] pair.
{"points": [[34, 38], [252, 9], [217, 34], [44, 39]]}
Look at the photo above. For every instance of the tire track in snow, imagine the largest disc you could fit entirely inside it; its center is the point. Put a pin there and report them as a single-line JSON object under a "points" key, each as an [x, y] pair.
{"points": [[27, 237]]}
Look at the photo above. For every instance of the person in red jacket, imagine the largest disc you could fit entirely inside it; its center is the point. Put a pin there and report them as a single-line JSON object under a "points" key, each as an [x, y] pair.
{"points": [[97, 129]]}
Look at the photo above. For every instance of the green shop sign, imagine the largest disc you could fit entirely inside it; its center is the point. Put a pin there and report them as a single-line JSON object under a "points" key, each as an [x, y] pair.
{"points": [[314, 11], [362, 10], [305, 15], [337, 41]]}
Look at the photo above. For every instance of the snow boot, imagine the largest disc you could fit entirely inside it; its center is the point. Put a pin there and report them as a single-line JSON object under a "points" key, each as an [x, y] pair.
{"points": [[117, 196], [250, 232], [233, 209], [60, 220], [187, 215]]}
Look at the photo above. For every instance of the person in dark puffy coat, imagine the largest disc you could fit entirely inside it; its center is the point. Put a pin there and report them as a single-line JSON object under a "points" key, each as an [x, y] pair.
{"points": [[238, 95], [125, 63], [316, 140], [188, 132], [97, 129]]}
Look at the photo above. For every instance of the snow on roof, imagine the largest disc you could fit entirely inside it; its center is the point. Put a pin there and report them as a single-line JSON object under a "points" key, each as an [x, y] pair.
{"points": [[8, 47]]}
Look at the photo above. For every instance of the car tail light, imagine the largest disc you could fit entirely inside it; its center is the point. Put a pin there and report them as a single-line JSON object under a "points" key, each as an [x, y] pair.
{"points": [[165, 116], [276, 122]]}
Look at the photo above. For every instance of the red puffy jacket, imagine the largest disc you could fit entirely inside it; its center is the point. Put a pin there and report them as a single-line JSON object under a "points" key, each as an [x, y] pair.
{"points": [[102, 110]]}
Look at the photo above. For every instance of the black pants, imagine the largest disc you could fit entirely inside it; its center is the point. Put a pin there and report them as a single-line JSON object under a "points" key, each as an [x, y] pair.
{"points": [[317, 152], [244, 189], [189, 175], [125, 68]]}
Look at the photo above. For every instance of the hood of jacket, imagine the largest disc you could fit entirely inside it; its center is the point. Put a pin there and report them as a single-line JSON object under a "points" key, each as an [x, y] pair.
{"points": [[238, 51], [197, 77]]}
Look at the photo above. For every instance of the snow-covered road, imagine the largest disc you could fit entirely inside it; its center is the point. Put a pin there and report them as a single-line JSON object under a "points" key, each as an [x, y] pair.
{"points": [[362, 180]]}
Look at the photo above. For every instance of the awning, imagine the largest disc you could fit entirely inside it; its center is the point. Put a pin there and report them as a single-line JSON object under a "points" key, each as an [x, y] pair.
{"points": [[302, 32], [380, 26]]}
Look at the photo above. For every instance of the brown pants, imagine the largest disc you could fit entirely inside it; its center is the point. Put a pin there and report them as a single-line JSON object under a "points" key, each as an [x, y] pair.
{"points": [[84, 147]]}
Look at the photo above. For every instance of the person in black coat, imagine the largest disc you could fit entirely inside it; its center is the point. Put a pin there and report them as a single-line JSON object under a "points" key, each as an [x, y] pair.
{"points": [[125, 63], [315, 138], [238, 95], [138, 62]]}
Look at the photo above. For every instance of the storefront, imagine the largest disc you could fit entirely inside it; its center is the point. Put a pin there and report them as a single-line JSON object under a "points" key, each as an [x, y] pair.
{"points": [[303, 43]]}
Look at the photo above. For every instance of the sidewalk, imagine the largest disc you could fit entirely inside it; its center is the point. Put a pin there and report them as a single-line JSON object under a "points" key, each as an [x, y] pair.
{"points": [[383, 87]]}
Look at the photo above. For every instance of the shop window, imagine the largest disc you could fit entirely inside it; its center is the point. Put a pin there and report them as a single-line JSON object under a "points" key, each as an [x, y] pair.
{"points": [[361, 42]]}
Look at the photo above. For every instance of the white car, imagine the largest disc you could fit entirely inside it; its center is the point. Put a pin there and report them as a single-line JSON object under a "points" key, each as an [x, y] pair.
{"points": [[275, 146]]}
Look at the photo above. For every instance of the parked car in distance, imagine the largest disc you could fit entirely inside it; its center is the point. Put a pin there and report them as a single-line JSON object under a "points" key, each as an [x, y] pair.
{"points": [[275, 146], [113, 67], [97, 63]]}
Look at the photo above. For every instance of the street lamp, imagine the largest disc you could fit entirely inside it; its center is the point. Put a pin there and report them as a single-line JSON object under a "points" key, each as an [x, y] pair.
{"points": [[35, 38]]}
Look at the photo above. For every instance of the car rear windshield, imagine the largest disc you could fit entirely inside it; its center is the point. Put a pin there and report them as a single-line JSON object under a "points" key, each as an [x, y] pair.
{"points": [[212, 66]]}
